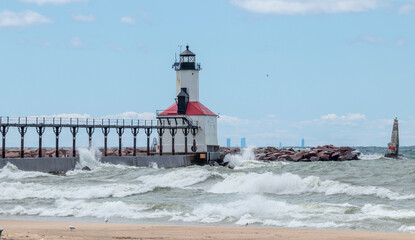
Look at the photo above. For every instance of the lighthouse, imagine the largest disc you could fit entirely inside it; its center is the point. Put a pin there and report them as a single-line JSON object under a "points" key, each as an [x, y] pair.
{"points": [[187, 105]]}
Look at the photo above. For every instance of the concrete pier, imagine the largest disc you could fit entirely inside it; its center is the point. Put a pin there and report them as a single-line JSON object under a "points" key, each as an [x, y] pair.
{"points": [[47, 165], [164, 161], [62, 165]]}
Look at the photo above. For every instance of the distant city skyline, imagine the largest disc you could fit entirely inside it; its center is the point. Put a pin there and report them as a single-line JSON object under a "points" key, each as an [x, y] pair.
{"points": [[331, 72]]}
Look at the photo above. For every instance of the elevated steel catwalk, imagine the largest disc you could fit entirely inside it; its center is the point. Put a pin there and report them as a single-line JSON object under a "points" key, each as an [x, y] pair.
{"points": [[90, 124]]}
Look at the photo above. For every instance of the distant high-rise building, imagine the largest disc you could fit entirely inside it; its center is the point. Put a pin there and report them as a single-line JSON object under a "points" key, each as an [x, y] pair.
{"points": [[243, 142], [228, 142], [302, 142], [280, 144]]}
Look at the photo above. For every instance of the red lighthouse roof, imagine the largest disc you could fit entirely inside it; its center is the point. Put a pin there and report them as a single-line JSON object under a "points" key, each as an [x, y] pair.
{"points": [[193, 108]]}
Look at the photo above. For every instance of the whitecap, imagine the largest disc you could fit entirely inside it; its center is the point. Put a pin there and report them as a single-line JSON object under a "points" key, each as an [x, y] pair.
{"points": [[288, 183], [18, 190], [370, 156], [405, 228], [384, 211], [177, 178], [246, 159], [89, 157], [10, 171]]}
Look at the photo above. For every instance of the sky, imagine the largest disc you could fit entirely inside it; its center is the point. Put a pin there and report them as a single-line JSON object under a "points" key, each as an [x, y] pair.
{"points": [[275, 71]]}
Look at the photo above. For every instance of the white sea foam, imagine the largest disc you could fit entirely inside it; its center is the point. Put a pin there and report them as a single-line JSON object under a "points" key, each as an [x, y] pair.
{"points": [[81, 208], [86, 208], [256, 209], [153, 165], [405, 228], [384, 211], [288, 183], [10, 171], [18, 190], [178, 178], [370, 156], [89, 157], [246, 154], [246, 159]]}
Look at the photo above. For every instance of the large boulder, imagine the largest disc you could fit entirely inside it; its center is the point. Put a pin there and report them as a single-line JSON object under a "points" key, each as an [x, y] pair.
{"points": [[12, 155], [323, 156], [297, 156], [334, 156], [314, 158], [351, 156]]}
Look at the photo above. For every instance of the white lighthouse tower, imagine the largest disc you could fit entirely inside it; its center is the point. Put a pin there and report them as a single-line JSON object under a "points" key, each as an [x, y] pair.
{"points": [[187, 104]]}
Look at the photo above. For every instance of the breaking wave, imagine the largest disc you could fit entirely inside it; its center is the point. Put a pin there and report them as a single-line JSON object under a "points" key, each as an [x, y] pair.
{"points": [[10, 171], [81, 208], [18, 191], [89, 157], [179, 178], [370, 156], [254, 209], [288, 183], [405, 228], [246, 159]]}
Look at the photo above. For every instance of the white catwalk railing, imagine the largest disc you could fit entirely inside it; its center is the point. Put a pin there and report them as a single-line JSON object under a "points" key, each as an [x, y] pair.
{"points": [[97, 122], [93, 122]]}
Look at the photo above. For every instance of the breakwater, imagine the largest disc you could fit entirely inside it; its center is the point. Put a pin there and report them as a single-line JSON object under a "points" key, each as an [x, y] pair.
{"points": [[320, 153], [56, 165]]}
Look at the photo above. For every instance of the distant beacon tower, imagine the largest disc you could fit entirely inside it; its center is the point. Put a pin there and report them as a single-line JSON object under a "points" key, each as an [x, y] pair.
{"points": [[302, 142], [187, 103], [393, 146]]}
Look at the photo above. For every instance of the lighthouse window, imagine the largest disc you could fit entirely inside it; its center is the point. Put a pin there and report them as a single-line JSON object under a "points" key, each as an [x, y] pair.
{"points": [[191, 59]]}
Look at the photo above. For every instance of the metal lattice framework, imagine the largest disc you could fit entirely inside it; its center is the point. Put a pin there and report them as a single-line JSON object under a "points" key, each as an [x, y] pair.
{"points": [[90, 124]]}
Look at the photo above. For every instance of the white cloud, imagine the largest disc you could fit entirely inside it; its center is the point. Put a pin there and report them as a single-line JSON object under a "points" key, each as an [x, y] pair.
{"points": [[224, 119], [348, 117], [84, 18], [143, 48], [133, 115], [372, 39], [25, 18], [41, 2], [76, 42], [124, 115], [407, 8], [45, 43], [64, 115], [400, 42], [116, 47], [330, 116], [352, 129], [127, 19], [293, 7], [71, 115]]}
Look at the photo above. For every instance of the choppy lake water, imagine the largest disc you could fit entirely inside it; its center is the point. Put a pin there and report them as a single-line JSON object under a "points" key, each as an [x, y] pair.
{"points": [[373, 194]]}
